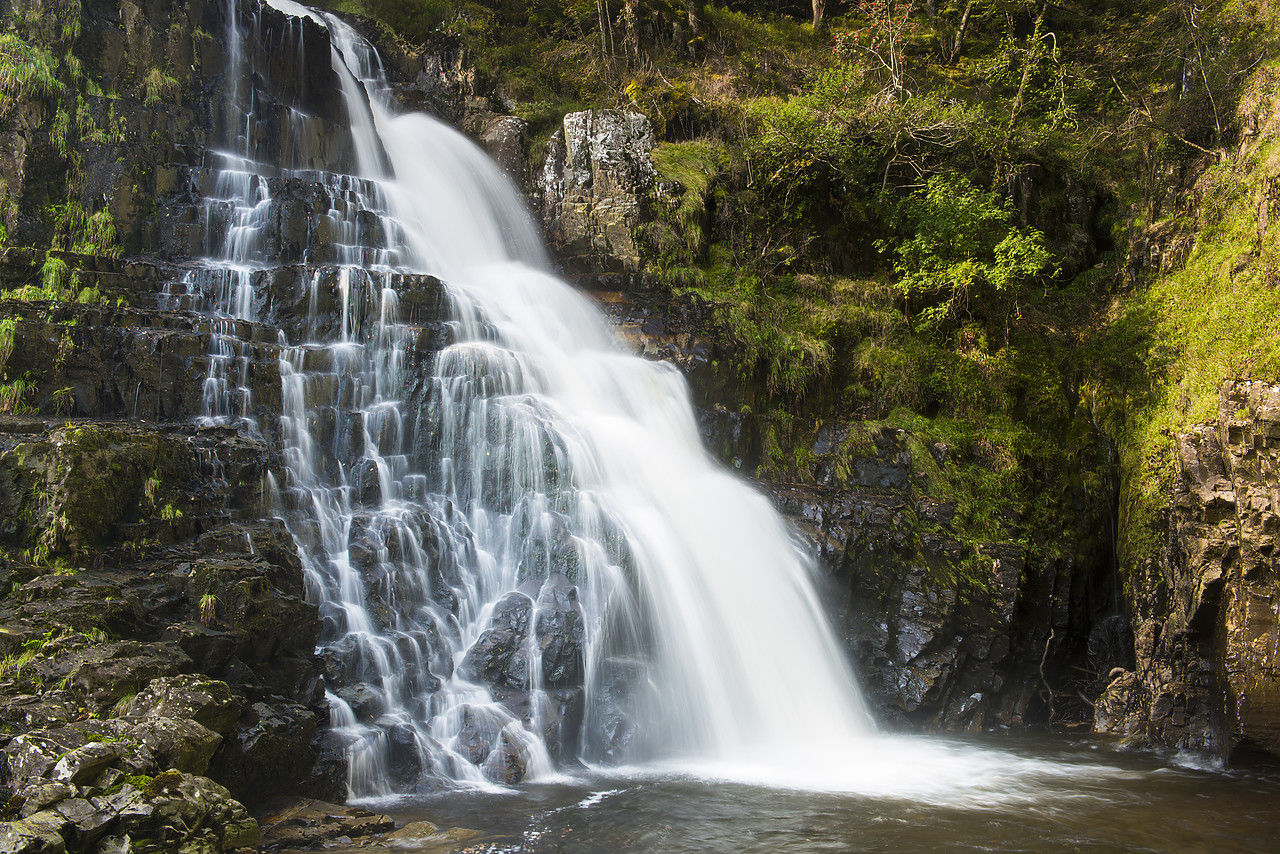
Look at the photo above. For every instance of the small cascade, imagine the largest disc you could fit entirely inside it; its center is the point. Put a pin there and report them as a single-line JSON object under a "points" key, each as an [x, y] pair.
{"points": [[523, 558]]}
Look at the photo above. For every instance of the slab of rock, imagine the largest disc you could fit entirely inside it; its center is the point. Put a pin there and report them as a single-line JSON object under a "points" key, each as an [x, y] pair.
{"points": [[305, 823], [40, 833], [208, 702]]}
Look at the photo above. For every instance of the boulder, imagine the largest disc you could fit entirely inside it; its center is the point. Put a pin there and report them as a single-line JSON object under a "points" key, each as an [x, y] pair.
{"points": [[306, 823], [271, 750], [85, 823], [83, 764], [595, 180], [176, 810], [177, 743], [40, 833], [499, 657], [505, 140], [208, 702], [560, 631], [104, 674]]}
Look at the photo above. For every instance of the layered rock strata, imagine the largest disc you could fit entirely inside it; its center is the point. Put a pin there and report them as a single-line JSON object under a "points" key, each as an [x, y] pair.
{"points": [[1206, 610]]}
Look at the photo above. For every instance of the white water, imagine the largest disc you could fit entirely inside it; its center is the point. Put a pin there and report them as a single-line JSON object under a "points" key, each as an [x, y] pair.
{"points": [[739, 657], [528, 560]]}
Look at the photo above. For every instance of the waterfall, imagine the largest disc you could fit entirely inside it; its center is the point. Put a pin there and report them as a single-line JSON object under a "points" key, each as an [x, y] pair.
{"points": [[522, 556]]}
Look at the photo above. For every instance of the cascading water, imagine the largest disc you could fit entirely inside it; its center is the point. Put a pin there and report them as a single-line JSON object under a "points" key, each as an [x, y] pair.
{"points": [[524, 558]]}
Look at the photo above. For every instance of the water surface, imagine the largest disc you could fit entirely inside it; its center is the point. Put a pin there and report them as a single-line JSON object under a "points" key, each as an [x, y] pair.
{"points": [[1063, 794]]}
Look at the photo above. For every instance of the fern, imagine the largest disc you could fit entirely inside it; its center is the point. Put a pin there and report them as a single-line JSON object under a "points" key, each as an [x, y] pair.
{"points": [[54, 275]]}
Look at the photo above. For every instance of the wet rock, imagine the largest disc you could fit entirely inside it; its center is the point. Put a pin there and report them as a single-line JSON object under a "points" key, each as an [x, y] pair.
{"points": [[405, 756], [945, 633], [560, 633], [508, 762], [499, 657], [271, 750], [364, 700], [425, 836], [614, 730], [306, 823], [477, 734]]}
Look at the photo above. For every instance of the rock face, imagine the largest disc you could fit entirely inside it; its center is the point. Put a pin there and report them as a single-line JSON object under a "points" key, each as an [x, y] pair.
{"points": [[946, 631], [1206, 612], [595, 179], [158, 649]]}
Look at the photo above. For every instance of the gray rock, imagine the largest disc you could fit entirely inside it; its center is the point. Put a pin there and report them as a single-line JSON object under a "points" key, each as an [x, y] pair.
{"points": [[84, 763], [40, 833], [595, 180], [560, 632], [178, 743], [40, 797], [86, 823], [32, 756], [208, 702], [504, 139]]}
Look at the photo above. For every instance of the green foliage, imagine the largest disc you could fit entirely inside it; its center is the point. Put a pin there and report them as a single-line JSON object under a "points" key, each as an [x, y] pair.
{"points": [[1181, 335], [14, 395], [159, 88], [55, 275], [690, 169], [64, 401], [957, 241], [13, 665], [121, 707], [208, 609], [775, 327], [8, 328], [26, 71]]}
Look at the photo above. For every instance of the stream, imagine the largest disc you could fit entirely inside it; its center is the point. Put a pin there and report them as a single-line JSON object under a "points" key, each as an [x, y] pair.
{"points": [[1078, 794]]}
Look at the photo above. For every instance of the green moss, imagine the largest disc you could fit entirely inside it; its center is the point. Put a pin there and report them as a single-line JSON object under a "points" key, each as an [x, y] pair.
{"points": [[141, 782]]}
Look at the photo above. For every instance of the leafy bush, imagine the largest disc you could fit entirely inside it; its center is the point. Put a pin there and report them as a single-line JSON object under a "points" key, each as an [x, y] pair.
{"points": [[956, 241]]}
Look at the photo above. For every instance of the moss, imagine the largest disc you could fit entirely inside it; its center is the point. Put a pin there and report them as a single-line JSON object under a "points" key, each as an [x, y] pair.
{"points": [[1211, 321], [141, 782], [162, 784]]}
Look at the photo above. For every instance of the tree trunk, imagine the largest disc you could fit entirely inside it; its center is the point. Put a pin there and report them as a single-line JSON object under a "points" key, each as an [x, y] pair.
{"points": [[959, 42], [631, 23], [819, 6]]}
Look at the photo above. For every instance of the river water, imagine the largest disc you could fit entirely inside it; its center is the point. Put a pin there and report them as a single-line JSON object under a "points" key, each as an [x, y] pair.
{"points": [[1078, 794]]}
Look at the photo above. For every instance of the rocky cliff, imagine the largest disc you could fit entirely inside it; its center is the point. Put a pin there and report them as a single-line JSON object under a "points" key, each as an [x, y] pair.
{"points": [[1205, 610], [159, 667]]}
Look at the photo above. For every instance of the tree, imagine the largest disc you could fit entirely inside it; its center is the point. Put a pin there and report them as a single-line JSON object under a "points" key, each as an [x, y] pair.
{"points": [[957, 240]]}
